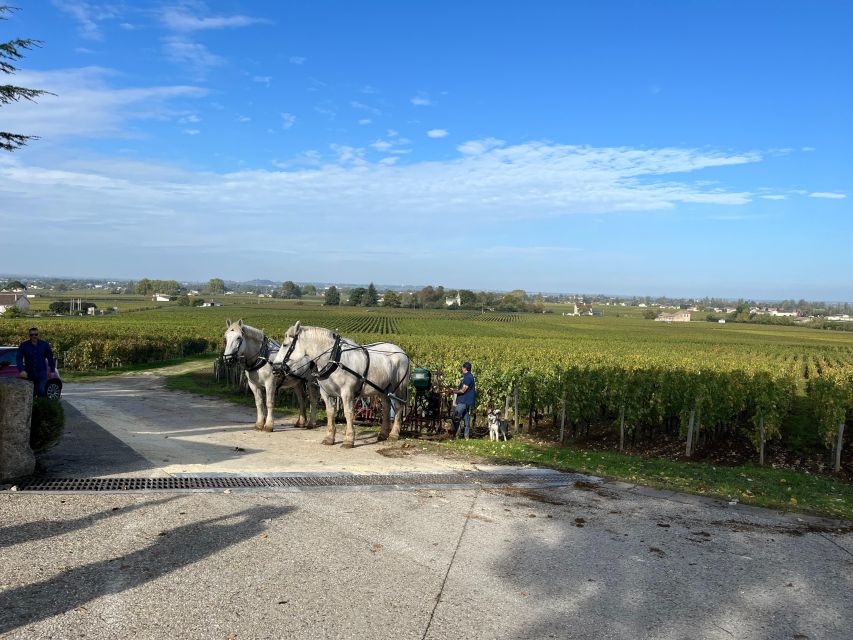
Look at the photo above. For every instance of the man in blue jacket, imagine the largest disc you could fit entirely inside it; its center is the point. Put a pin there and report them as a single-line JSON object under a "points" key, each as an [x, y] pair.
{"points": [[466, 395], [36, 362]]}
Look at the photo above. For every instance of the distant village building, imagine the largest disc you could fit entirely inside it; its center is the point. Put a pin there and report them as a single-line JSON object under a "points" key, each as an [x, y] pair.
{"points": [[678, 316], [159, 297], [8, 300], [211, 303], [453, 300]]}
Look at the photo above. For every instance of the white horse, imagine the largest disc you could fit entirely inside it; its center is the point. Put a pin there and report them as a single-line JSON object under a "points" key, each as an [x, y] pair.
{"points": [[347, 370], [251, 348]]}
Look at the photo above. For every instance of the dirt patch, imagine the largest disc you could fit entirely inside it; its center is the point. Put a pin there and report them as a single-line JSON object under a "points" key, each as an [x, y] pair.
{"points": [[400, 451], [739, 526], [531, 494]]}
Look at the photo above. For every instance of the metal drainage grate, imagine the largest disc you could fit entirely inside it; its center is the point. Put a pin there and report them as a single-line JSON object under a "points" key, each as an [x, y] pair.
{"points": [[191, 483]]}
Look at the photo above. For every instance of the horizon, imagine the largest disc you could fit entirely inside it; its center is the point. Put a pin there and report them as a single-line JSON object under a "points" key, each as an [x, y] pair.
{"points": [[658, 147], [382, 286]]}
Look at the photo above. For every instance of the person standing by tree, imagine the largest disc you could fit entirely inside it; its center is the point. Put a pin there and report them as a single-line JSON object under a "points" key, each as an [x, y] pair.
{"points": [[466, 395], [36, 362]]}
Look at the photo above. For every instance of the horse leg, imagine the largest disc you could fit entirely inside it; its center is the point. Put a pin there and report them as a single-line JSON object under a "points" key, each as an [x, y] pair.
{"points": [[386, 420], [399, 407], [312, 403], [269, 387], [330, 418], [349, 437], [299, 392], [259, 403]]}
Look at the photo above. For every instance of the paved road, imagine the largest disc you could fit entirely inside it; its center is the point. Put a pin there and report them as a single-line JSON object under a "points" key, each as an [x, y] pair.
{"points": [[560, 562], [467, 563], [142, 428]]}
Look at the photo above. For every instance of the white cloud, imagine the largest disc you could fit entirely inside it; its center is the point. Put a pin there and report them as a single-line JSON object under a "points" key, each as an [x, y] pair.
{"points": [[83, 50], [193, 118], [521, 182], [87, 16], [355, 104], [808, 149], [390, 160], [297, 59], [87, 106], [326, 110], [421, 100], [478, 147], [243, 119], [774, 197], [381, 145], [365, 121], [192, 132], [287, 120], [193, 56], [182, 20], [367, 89], [437, 133], [827, 194], [262, 80]]}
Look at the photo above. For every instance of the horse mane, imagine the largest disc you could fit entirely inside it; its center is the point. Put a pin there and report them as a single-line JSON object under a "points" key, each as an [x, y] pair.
{"points": [[252, 332], [315, 332]]}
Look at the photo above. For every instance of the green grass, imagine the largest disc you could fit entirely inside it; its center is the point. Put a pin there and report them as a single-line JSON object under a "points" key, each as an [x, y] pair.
{"points": [[202, 382], [85, 376], [760, 486]]}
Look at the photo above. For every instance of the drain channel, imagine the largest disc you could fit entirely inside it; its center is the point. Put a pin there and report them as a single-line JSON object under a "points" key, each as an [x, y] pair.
{"points": [[196, 483]]}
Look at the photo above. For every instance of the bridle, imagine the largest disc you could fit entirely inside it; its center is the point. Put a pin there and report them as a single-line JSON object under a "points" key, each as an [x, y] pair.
{"points": [[260, 359]]}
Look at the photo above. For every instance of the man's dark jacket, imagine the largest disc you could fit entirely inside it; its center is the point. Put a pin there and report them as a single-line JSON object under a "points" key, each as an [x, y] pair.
{"points": [[31, 358]]}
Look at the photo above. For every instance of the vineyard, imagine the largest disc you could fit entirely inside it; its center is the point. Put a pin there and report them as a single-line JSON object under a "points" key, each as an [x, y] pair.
{"points": [[703, 383]]}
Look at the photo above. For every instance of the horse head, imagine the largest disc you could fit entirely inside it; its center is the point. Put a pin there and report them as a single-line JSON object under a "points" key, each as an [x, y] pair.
{"points": [[291, 358], [232, 342]]}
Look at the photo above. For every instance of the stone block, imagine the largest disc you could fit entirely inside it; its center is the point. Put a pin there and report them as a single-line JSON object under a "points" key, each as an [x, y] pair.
{"points": [[16, 409]]}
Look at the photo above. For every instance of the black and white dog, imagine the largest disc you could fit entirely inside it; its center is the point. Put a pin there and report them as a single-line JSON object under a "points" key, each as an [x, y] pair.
{"points": [[497, 425]]}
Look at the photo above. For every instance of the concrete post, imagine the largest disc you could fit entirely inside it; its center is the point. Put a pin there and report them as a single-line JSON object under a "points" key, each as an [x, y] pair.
{"points": [[16, 410]]}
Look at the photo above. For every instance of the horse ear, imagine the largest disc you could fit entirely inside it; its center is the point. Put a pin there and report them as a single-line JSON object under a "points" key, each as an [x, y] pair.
{"points": [[297, 328], [228, 323], [240, 323]]}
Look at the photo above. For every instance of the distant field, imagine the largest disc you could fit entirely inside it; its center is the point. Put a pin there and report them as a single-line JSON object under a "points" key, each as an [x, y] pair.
{"points": [[730, 378]]}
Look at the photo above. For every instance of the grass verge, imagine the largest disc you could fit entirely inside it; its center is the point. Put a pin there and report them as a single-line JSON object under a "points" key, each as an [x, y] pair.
{"points": [[202, 382], [87, 376], [761, 486]]}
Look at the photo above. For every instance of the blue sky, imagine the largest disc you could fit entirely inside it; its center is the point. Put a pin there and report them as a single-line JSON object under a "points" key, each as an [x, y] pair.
{"points": [[676, 148]]}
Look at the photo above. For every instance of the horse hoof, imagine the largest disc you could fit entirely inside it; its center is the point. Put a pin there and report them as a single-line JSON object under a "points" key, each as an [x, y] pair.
{"points": [[328, 441], [347, 444], [310, 426], [258, 427], [269, 428], [393, 437]]}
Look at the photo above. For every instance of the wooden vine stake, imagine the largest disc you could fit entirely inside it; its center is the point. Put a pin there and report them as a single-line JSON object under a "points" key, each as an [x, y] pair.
{"points": [[690, 432], [563, 421], [761, 446], [622, 428], [839, 443], [515, 408], [506, 407]]}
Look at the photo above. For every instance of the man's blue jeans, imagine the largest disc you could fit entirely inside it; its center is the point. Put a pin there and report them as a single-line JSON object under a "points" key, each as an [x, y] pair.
{"points": [[40, 386], [462, 411]]}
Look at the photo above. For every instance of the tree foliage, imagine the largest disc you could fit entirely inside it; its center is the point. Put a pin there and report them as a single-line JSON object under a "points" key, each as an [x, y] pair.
{"points": [[10, 53], [371, 297], [146, 287], [356, 296], [390, 299], [290, 290], [333, 296], [216, 285]]}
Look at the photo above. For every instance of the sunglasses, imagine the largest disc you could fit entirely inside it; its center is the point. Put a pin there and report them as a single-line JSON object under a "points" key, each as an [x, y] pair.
{"points": [[34, 335]]}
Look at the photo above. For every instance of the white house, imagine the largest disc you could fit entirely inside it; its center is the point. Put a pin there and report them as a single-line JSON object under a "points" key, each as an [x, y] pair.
{"points": [[8, 300], [211, 303], [159, 297], [451, 300], [678, 316]]}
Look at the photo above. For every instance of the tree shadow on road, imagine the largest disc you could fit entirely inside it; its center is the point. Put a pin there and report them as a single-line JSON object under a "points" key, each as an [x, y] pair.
{"points": [[173, 549]]}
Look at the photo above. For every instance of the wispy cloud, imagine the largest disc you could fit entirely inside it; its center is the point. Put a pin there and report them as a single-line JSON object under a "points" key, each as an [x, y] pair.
{"points": [[365, 121], [243, 119], [437, 133], [87, 15], [86, 105], [355, 104], [287, 120], [421, 100], [297, 59], [192, 132], [774, 197], [180, 19], [477, 147], [265, 80], [194, 57], [827, 194]]}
